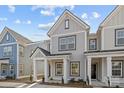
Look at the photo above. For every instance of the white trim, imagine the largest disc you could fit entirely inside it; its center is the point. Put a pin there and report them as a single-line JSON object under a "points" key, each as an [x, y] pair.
{"points": [[17, 74], [8, 44], [66, 34], [26, 76], [120, 69], [3, 33], [74, 18], [102, 39], [86, 41], [115, 26], [31, 85]]}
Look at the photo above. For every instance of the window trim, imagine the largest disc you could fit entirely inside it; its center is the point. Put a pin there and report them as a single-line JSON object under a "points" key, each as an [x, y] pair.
{"points": [[66, 37], [71, 69], [68, 24], [56, 68], [116, 30], [121, 61], [11, 51], [95, 44]]}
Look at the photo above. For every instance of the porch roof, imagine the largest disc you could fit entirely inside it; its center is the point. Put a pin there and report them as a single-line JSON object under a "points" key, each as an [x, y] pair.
{"points": [[47, 53], [105, 53]]}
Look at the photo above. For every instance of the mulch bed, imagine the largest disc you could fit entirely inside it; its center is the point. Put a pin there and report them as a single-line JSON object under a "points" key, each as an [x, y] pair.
{"points": [[73, 84]]}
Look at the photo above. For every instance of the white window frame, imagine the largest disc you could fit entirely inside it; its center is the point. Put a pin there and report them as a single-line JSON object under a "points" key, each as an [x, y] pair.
{"points": [[7, 51], [71, 69], [67, 24], [117, 69], [56, 69], [119, 37], [67, 43], [92, 44]]}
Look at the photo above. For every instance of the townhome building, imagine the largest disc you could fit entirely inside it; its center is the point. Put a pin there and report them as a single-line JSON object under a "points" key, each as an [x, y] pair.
{"points": [[12, 54], [77, 53]]}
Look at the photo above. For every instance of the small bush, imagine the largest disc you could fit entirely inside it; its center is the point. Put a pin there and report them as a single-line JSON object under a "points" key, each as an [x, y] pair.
{"points": [[62, 80], [80, 80], [31, 78], [51, 78], [72, 80], [117, 86]]}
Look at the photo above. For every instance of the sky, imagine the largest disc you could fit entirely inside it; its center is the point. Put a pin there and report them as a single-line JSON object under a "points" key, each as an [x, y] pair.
{"points": [[34, 22]]}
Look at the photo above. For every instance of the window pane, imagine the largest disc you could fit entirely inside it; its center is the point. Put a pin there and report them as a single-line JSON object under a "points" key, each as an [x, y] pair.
{"points": [[75, 68], [67, 23], [92, 44], [116, 68], [59, 69]]}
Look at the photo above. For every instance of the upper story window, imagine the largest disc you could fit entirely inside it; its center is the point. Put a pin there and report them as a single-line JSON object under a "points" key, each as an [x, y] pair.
{"points": [[117, 68], [7, 37], [21, 50], [92, 44], [7, 51], [67, 43], [119, 36], [67, 24]]}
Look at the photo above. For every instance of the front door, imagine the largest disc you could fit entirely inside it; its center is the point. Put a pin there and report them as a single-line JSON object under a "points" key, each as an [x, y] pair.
{"points": [[93, 71]]}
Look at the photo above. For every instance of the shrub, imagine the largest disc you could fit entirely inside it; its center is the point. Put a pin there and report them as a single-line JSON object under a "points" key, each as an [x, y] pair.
{"points": [[31, 78], [62, 80], [80, 80], [72, 80], [117, 86]]}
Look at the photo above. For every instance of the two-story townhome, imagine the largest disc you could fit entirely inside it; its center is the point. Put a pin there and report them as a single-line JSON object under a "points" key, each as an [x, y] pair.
{"points": [[12, 54], [65, 59], [105, 62]]}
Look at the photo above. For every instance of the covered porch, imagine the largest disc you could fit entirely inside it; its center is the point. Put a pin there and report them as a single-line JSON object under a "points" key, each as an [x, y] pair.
{"points": [[54, 67], [106, 67]]}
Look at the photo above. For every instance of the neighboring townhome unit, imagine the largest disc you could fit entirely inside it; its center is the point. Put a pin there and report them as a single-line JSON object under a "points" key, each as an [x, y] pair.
{"points": [[106, 63], [12, 47], [65, 59]]}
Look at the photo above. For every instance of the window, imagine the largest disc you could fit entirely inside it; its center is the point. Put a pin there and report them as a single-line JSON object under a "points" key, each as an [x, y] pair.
{"points": [[117, 69], [21, 69], [67, 24], [4, 68], [92, 44], [67, 43], [7, 37], [11, 68], [119, 36], [7, 51], [75, 68], [21, 50], [59, 69]]}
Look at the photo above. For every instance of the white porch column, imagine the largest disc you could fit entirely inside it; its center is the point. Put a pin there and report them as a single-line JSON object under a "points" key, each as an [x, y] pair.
{"points": [[46, 70], [89, 69], [65, 68], [103, 62], [34, 70], [109, 68]]}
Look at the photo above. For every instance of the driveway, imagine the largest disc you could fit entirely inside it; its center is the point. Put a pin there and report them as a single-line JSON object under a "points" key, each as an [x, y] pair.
{"points": [[24, 85]]}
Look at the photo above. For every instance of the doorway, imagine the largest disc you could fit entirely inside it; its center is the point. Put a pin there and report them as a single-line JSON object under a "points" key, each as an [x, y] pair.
{"points": [[93, 71]]}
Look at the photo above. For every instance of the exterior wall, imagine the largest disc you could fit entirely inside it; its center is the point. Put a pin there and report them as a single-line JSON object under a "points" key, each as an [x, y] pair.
{"points": [[29, 49], [77, 55], [92, 36], [108, 36], [10, 39], [108, 30]]}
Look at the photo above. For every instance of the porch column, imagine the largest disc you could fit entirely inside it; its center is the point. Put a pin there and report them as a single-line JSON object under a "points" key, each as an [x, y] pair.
{"points": [[65, 68], [103, 62], [0, 69], [89, 70], [46, 70], [109, 68], [34, 71]]}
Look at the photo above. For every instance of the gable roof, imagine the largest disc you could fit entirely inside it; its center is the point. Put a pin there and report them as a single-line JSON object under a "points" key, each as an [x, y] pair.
{"points": [[19, 38], [47, 53], [114, 11], [71, 14]]}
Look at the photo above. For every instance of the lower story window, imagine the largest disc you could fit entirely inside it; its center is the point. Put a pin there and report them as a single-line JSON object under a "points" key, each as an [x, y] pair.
{"points": [[75, 68], [21, 69], [11, 68], [117, 68], [59, 69]]}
